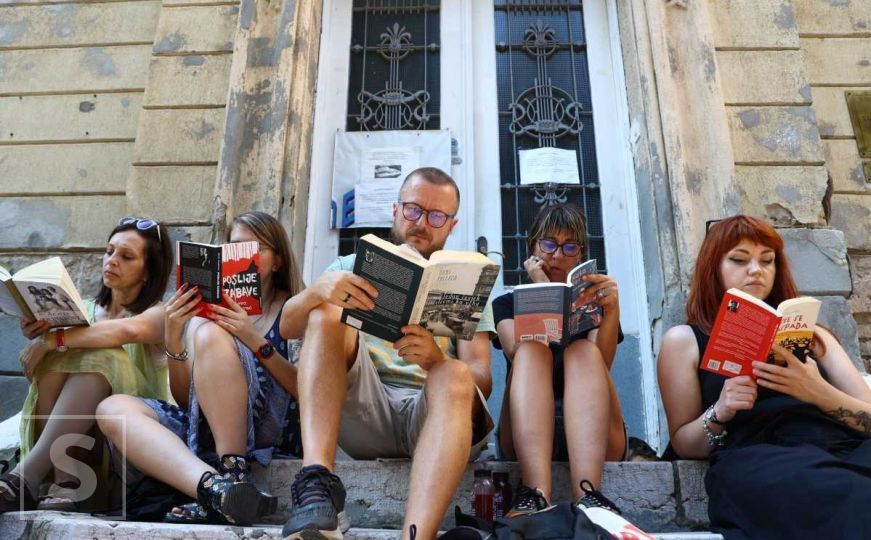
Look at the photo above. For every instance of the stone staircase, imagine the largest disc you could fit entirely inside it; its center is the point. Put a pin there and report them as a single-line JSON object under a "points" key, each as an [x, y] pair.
{"points": [[662, 497]]}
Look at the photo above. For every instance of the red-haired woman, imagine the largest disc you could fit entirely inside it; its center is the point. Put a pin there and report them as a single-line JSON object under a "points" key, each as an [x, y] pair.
{"points": [[790, 453]]}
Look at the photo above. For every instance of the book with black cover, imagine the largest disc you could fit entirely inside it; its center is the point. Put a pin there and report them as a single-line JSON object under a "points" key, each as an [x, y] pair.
{"points": [[551, 313], [445, 294], [43, 291], [216, 268]]}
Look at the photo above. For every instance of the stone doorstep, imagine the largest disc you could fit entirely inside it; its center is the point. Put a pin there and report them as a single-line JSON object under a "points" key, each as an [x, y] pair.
{"points": [[656, 496], [41, 525]]}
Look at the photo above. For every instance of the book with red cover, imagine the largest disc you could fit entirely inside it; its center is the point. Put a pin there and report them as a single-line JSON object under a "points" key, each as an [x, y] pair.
{"points": [[213, 268], [746, 328]]}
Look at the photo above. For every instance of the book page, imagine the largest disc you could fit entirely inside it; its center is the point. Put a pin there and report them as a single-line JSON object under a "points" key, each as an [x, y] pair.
{"points": [[458, 293], [48, 290], [8, 304]]}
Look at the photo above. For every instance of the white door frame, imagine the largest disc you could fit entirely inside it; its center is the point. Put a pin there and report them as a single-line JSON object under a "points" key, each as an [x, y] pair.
{"points": [[469, 110]]}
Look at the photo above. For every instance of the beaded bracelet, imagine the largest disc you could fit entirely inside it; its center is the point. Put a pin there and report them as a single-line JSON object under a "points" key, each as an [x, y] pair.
{"points": [[714, 439]]}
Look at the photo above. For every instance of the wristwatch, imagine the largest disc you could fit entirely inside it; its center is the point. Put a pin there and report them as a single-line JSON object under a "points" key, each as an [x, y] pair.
{"points": [[711, 416], [264, 351], [61, 345]]}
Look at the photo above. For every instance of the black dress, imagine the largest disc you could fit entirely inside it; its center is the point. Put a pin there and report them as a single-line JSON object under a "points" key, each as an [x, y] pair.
{"points": [[787, 470]]}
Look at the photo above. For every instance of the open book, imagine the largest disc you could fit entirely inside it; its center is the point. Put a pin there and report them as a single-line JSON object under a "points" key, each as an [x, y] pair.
{"points": [[43, 291], [445, 294], [746, 328], [215, 268], [550, 312]]}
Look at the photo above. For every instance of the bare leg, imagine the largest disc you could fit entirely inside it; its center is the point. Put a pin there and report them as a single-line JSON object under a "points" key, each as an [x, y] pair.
{"points": [[442, 451], [79, 397], [49, 387], [221, 388], [328, 351], [150, 447], [532, 413], [587, 409], [616, 431]]}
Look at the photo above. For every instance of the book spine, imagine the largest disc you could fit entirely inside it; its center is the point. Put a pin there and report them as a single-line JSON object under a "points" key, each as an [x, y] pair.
{"points": [[568, 298], [422, 294]]}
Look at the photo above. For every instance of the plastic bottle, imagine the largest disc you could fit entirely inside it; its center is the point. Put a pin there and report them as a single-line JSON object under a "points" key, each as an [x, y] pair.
{"points": [[501, 494], [482, 495]]}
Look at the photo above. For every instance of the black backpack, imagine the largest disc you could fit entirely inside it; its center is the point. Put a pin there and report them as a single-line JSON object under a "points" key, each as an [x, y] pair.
{"points": [[563, 521], [147, 500]]}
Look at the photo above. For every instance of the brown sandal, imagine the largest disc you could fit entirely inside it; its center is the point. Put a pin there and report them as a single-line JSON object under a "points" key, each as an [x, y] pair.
{"points": [[14, 495], [60, 497]]}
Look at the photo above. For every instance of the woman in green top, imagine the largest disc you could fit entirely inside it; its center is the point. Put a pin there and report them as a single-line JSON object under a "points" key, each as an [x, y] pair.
{"points": [[72, 370]]}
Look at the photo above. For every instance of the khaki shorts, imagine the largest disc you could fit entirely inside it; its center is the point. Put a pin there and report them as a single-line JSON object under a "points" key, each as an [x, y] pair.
{"points": [[384, 421]]}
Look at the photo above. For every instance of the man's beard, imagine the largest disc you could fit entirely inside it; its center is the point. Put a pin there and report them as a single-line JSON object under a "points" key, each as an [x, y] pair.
{"points": [[396, 238]]}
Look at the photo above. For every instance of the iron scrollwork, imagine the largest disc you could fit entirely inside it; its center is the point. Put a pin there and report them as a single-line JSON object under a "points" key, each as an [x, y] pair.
{"points": [[543, 111], [394, 107]]}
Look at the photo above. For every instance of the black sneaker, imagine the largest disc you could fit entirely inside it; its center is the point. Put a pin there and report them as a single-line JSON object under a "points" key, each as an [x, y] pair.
{"points": [[527, 501], [593, 498], [318, 511]]}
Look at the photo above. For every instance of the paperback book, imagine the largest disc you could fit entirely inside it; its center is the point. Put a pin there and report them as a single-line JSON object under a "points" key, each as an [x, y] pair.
{"points": [[226, 267], [43, 291], [445, 294]]}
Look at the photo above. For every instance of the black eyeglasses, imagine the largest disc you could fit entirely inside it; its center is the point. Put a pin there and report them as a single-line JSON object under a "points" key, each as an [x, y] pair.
{"points": [[142, 225], [436, 218], [570, 249]]}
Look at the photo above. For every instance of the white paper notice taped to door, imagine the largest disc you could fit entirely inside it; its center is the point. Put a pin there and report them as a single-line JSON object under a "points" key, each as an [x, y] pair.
{"points": [[549, 165]]}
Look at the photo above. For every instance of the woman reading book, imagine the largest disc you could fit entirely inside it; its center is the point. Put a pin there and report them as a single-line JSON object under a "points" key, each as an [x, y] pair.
{"points": [[578, 375], [790, 451], [72, 370], [242, 405]]}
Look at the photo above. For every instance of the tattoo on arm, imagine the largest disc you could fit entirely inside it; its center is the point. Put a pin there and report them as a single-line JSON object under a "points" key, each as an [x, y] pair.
{"points": [[858, 420]]}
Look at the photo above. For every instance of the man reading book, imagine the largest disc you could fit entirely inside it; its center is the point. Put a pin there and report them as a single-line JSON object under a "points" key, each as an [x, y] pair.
{"points": [[420, 396]]}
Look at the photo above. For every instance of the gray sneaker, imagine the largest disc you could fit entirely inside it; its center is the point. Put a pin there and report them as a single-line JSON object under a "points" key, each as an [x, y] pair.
{"points": [[318, 511]]}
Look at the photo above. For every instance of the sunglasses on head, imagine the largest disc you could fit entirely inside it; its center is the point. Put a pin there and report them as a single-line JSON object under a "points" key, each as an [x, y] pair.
{"points": [[710, 223], [570, 249], [142, 225]]}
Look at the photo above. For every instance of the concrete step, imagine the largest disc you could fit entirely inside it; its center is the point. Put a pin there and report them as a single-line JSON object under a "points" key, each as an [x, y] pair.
{"points": [[40, 525], [656, 496]]}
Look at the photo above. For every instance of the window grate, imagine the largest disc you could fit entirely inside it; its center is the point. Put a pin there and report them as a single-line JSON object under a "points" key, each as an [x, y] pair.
{"points": [[544, 101], [394, 77]]}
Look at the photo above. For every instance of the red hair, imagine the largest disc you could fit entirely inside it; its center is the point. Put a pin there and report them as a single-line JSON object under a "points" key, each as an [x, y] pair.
{"points": [[706, 289]]}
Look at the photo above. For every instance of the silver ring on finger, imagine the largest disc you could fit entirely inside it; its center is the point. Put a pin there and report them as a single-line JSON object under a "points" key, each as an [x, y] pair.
{"points": [[602, 293]]}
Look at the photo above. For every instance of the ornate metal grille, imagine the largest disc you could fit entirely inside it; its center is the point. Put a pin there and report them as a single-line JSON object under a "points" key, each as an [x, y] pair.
{"points": [[544, 100], [394, 79]]}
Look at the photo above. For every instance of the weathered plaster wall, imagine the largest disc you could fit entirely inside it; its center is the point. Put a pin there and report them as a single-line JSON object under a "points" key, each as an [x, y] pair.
{"points": [[72, 79], [175, 158], [835, 40]]}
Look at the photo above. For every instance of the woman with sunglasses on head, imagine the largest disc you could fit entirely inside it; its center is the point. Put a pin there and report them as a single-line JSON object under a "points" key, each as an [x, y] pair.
{"points": [[242, 405], [577, 375], [72, 370], [790, 452]]}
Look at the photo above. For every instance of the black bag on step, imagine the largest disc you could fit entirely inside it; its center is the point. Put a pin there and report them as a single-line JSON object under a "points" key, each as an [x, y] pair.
{"points": [[563, 521], [147, 500]]}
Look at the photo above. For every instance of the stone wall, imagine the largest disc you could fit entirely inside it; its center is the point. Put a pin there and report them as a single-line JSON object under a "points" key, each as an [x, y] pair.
{"points": [[835, 40], [72, 82], [784, 66]]}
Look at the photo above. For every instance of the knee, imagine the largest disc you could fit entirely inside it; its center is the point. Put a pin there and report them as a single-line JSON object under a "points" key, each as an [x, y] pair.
{"points": [[451, 382], [533, 354], [324, 314], [582, 353], [111, 413], [209, 338]]}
